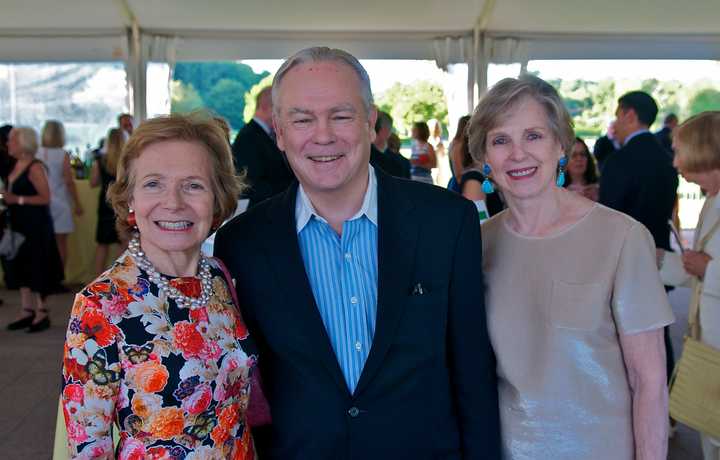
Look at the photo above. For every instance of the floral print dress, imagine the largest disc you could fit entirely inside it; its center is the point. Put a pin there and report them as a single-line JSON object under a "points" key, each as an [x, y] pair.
{"points": [[176, 381]]}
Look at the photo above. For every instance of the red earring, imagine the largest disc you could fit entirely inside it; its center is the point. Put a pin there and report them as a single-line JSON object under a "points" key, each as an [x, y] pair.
{"points": [[132, 222]]}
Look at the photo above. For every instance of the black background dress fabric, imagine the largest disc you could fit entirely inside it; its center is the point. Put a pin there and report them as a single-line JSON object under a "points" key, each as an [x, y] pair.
{"points": [[492, 200], [37, 264], [106, 232]]}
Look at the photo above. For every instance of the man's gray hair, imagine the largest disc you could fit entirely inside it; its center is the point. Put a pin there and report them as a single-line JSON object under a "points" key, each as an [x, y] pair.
{"points": [[323, 54]]}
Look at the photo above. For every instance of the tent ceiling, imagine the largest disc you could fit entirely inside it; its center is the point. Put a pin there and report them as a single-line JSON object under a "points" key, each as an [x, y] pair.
{"points": [[233, 29]]}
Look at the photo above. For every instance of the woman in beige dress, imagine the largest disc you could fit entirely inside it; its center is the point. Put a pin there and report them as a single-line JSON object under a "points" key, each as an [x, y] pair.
{"points": [[697, 157], [575, 303]]}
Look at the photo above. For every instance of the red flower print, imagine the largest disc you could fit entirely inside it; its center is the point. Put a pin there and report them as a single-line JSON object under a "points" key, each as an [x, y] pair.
{"points": [[95, 325], [72, 370], [199, 315], [159, 453], [188, 286], [241, 331], [199, 401], [74, 393], [133, 449], [76, 432], [188, 340]]}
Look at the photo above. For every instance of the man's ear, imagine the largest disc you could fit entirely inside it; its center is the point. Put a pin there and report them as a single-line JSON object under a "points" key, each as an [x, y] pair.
{"points": [[279, 135], [372, 118]]}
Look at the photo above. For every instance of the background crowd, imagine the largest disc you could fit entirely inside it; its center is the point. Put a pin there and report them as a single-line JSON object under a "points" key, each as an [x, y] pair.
{"points": [[178, 176]]}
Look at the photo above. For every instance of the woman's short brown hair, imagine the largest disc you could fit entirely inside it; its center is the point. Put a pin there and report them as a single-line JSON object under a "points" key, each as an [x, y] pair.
{"points": [[197, 127], [697, 142], [53, 134], [503, 97], [422, 130]]}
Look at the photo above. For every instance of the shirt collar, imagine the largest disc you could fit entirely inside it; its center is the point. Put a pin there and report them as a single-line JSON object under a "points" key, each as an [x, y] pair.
{"points": [[262, 124], [636, 133], [304, 209]]}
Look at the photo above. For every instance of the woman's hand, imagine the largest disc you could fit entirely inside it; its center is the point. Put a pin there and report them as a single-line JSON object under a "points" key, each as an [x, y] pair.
{"points": [[696, 263], [79, 209]]}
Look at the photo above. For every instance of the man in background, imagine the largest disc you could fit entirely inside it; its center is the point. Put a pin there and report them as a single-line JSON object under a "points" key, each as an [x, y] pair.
{"points": [[256, 153], [639, 179], [381, 156], [664, 136], [605, 146]]}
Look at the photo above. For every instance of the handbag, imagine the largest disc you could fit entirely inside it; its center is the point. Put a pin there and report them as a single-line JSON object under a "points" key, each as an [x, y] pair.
{"points": [[10, 243], [258, 409], [695, 383]]}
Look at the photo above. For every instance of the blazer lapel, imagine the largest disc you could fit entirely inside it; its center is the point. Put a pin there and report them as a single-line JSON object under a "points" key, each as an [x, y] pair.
{"points": [[398, 230], [283, 251]]}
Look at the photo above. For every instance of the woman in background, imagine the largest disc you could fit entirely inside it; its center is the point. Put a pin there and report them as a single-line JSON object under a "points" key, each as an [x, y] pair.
{"points": [[36, 269], [582, 175], [102, 175], [62, 184], [422, 156], [472, 179], [697, 158]]}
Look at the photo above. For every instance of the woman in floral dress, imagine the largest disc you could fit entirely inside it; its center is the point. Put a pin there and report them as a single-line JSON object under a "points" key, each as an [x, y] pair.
{"points": [[155, 344]]}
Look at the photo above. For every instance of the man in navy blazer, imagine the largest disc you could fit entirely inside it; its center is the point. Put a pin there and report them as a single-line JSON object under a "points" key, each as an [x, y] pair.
{"points": [[364, 292], [255, 153]]}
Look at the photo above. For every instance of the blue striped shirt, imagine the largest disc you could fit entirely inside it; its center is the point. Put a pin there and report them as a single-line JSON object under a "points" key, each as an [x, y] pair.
{"points": [[343, 272]]}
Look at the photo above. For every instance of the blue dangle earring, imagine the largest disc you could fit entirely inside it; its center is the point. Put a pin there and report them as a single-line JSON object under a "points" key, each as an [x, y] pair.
{"points": [[487, 186], [560, 181]]}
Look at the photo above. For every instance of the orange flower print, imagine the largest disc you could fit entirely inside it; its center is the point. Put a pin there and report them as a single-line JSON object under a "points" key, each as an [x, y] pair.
{"points": [[227, 419], [149, 376], [144, 405], [243, 448], [167, 423], [95, 325], [188, 340]]}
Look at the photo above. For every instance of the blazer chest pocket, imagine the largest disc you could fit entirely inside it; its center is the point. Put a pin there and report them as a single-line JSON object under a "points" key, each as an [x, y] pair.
{"points": [[577, 306], [424, 318]]}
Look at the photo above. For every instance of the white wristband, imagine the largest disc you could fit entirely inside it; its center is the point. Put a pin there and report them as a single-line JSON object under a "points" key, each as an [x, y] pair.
{"points": [[21, 200]]}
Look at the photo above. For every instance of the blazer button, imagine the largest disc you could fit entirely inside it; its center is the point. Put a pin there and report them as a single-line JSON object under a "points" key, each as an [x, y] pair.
{"points": [[354, 412]]}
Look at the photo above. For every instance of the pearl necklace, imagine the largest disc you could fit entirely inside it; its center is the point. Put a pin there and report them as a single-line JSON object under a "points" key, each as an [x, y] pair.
{"points": [[163, 283]]}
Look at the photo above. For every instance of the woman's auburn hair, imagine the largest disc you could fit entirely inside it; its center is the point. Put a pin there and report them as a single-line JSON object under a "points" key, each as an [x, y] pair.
{"points": [[697, 142], [197, 127]]}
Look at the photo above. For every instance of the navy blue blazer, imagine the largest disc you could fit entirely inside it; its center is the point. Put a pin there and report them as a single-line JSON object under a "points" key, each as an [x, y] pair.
{"points": [[640, 181], [429, 388]]}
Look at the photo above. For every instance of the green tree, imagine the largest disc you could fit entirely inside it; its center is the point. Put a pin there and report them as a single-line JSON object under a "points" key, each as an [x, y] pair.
{"points": [[210, 79], [205, 75], [184, 98], [227, 99], [251, 96], [419, 101], [703, 100]]}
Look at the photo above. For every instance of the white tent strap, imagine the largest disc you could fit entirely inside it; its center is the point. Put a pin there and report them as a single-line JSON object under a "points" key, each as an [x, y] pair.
{"points": [[452, 50], [153, 48]]}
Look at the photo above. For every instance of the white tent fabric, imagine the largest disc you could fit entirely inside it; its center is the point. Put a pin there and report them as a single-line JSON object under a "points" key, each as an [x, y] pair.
{"points": [[473, 31]]}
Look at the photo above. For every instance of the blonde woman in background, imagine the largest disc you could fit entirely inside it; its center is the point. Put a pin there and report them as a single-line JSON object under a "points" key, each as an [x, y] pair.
{"points": [[62, 184], [697, 158], [102, 175]]}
